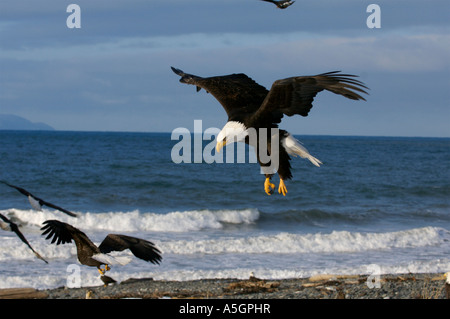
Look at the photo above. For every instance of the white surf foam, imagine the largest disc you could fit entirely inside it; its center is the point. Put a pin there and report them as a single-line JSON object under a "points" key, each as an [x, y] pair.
{"points": [[334, 242], [189, 255], [136, 221], [96, 225], [140, 223]]}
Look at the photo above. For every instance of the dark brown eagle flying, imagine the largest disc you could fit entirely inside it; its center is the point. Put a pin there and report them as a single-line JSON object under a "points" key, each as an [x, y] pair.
{"points": [[251, 106], [91, 255]]}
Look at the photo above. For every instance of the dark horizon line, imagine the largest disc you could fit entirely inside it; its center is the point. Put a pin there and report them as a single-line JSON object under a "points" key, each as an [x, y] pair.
{"points": [[161, 132]]}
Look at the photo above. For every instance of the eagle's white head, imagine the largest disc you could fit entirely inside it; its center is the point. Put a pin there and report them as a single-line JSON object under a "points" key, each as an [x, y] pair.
{"points": [[232, 132]]}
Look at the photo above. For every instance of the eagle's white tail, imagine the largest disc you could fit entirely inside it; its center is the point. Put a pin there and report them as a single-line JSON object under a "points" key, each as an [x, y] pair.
{"points": [[294, 147]]}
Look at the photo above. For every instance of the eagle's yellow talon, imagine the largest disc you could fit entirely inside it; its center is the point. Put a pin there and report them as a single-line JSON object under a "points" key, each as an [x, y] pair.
{"points": [[268, 186], [282, 188], [103, 271]]}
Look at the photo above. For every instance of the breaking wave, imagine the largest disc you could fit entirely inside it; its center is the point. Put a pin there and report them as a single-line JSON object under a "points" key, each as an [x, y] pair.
{"points": [[136, 221], [334, 242]]}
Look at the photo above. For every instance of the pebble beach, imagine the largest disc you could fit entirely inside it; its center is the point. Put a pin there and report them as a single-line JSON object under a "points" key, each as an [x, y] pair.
{"points": [[398, 286]]}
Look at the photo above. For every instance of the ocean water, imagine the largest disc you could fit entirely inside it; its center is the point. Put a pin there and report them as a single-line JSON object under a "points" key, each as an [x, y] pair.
{"points": [[377, 205]]}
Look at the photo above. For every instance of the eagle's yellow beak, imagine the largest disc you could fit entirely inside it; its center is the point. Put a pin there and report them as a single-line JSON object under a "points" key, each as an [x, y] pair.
{"points": [[220, 145]]}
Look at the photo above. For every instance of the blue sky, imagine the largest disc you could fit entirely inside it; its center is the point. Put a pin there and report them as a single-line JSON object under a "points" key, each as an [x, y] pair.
{"points": [[113, 74]]}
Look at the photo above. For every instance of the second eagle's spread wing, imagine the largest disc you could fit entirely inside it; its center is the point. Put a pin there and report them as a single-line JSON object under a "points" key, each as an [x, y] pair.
{"points": [[64, 233], [295, 95], [14, 228], [20, 189], [42, 202], [37, 202], [141, 248], [237, 93]]}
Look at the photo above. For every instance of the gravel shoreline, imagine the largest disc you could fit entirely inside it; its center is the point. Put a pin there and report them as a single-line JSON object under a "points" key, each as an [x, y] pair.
{"points": [[399, 286]]}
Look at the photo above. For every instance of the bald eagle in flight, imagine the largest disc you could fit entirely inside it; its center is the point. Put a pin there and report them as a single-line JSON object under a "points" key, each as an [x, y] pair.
{"points": [[11, 226], [91, 255], [37, 202], [250, 105], [281, 4]]}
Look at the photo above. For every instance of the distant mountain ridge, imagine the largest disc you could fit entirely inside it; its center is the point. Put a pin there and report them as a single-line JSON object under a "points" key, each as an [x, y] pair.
{"points": [[14, 122]]}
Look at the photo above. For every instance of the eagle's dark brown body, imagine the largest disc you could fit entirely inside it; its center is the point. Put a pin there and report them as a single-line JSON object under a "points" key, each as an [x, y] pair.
{"points": [[63, 233]]}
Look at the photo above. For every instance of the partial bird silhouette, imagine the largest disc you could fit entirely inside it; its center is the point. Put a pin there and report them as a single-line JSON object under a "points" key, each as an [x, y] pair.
{"points": [[107, 280], [11, 226], [37, 202], [281, 4]]}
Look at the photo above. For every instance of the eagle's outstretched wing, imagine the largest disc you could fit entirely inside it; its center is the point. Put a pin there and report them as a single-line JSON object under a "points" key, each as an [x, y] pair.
{"points": [[63, 233], [36, 200], [141, 248], [42, 202], [14, 228], [295, 95], [239, 95]]}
